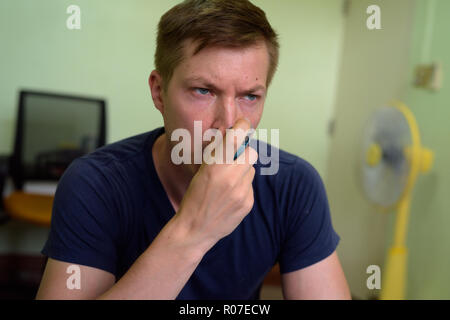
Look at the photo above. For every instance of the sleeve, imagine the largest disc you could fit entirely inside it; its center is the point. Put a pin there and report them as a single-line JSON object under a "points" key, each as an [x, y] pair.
{"points": [[83, 225], [309, 233]]}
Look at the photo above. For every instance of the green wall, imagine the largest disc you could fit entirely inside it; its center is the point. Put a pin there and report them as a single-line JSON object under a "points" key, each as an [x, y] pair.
{"points": [[429, 236]]}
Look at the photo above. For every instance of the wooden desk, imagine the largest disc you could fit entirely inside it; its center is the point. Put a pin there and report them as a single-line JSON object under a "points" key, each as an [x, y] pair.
{"points": [[33, 208]]}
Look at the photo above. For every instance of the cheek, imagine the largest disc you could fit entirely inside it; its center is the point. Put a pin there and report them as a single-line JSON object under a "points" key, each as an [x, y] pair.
{"points": [[192, 108], [179, 112], [184, 111]]}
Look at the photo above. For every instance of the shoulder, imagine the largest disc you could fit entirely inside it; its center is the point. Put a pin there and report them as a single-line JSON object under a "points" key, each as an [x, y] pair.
{"points": [[283, 167], [117, 154], [107, 168], [288, 179], [122, 150]]}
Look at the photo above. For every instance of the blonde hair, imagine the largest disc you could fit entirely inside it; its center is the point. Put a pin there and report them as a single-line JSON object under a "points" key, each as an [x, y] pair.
{"points": [[226, 23]]}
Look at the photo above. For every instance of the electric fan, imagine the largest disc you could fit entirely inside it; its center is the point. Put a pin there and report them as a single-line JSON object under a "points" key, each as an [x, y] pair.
{"points": [[392, 159]]}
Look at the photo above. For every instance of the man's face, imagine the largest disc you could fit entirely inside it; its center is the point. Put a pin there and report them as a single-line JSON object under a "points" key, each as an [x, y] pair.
{"points": [[216, 86]]}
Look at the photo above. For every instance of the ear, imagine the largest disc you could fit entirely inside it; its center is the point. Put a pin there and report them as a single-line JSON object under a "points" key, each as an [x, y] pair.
{"points": [[156, 89]]}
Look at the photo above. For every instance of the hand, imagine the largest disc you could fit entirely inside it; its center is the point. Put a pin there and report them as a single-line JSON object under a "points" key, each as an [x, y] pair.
{"points": [[219, 195]]}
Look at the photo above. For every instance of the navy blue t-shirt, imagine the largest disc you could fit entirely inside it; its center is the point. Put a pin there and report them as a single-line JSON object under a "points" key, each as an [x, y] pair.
{"points": [[110, 205]]}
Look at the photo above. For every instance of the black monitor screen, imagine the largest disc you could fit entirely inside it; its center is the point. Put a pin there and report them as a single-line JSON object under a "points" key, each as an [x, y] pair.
{"points": [[56, 129]]}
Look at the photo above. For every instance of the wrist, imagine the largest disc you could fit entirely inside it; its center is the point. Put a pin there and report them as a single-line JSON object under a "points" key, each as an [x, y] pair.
{"points": [[180, 237]]}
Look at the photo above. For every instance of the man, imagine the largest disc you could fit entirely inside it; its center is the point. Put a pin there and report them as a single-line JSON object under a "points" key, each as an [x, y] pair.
{"points": [[140, 226]]}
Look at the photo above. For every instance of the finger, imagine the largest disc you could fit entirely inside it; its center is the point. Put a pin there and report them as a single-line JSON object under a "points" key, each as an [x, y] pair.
{"points": [[235, 138], [248, 156]]}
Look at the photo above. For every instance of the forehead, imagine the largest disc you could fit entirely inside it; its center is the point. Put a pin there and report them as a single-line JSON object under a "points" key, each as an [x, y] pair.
{"points": [[250, 63]]}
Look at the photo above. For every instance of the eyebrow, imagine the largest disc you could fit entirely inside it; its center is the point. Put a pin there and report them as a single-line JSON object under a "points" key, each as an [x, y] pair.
{"points": [[208, 84]]}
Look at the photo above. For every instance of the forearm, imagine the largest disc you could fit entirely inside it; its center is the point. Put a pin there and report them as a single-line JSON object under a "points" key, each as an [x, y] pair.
{"points": [[163, 269]]}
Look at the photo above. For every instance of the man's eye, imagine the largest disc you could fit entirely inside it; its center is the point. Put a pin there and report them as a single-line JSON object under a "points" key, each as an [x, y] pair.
{"points": [[202, 91], [251, 97]]}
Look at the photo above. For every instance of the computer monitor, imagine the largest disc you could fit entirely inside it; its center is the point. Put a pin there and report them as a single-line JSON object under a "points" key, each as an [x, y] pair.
{"points": [[52, 130]]}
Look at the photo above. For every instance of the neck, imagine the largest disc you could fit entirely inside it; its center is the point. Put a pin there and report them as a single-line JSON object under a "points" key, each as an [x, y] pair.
{"points": [[174, 178]]}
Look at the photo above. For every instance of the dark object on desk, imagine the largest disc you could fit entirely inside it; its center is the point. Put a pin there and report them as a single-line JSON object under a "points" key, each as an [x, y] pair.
{"points": [[52, 130]]}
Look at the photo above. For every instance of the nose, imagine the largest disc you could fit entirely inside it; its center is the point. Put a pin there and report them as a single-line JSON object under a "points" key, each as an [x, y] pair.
{"points": [[227, 111]]}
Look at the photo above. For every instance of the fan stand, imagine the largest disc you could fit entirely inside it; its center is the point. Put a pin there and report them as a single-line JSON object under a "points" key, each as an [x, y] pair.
{"points": [[421, 159], [394, 280]]}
